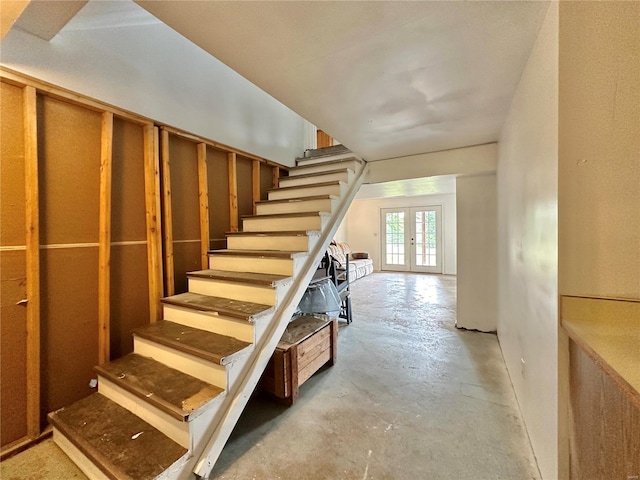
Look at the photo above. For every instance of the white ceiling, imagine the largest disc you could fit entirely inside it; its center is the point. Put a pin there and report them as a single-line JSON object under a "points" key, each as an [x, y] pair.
{"points": [[388, 78]]}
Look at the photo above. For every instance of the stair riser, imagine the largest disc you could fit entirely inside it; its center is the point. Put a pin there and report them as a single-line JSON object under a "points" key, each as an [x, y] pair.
{"points": [[80, 459], [352, 165], [214, 324], [306, 192], [183, 362], [345, 176], [174, 429], [296, 207], [275, 266], [282, 224], [317, 160], [264, 242], [232, 290]]}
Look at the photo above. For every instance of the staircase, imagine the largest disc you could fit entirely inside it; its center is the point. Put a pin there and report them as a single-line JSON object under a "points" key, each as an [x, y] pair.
{"points": [[166, 410]]}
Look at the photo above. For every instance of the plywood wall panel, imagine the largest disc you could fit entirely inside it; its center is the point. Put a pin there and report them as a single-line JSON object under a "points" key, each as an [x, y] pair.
{"points": [[218, 174], [186, 257], [245, 189], [266, 180], [127, 191], [69, 305], [13, 346], [69, 152], [12, 214], [129, 295], [605, 423], [185, 208]]}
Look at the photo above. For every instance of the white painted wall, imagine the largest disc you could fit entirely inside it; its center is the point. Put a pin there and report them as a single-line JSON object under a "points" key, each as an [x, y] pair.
{"points": [[527, 244], [361, 225], [146, 67], [477, 253], [458, 161]]}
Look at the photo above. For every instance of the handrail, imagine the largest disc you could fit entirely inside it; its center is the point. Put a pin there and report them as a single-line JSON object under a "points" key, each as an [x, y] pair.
{"points": [[233, 405]]}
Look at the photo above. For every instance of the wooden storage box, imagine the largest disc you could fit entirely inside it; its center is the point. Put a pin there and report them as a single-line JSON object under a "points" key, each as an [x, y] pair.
{"points": [[307, 344]]}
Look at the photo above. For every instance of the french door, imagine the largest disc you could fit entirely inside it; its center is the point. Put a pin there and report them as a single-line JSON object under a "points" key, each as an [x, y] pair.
{"points": [[412, 239]]}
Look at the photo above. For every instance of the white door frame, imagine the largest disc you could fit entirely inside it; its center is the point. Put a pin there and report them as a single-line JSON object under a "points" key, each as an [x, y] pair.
{"points": [[406, 248]]}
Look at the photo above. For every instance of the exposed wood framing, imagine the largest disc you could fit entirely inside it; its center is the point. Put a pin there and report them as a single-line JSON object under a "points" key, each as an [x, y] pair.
{"points": [[44, 88], [233, 192], [32, 243], [276, 176], [167, 215], [255, 183], [152, 210], [203, 196], [104, 240]]}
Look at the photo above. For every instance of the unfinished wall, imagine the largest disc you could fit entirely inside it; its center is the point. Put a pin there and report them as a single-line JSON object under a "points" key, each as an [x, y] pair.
{"points": [[137, 63], [477, 253], [363, 225], [65, 271], [527, 243], [13, 333]]}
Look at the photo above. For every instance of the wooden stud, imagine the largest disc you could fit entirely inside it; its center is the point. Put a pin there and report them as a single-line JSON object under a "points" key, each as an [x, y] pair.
{"points": [[255, 183], [32, 243], [152, 210], [167, 214], [233, 192], [203, 195], [104, 246], [275, 176]]}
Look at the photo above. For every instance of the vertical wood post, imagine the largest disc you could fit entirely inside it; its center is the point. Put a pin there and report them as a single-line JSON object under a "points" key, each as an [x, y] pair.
{"points": [[255, 183], [203, 195], [167, 217], [233, 192], [104, 241], [275, 174], [152, 210], [32, 242]]}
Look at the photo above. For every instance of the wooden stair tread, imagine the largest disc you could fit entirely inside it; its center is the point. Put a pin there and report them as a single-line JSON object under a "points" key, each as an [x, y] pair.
{"points": [[209, 346], [263, 279], [317, 174], [310, 185], [217, 305], [287, 215], [170, 390], [118, 442], [277, 233], [330, 162], [299, 199], [325, 152], [257, 253]]}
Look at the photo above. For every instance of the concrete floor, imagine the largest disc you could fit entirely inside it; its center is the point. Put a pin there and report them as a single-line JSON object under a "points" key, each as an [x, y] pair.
{"points": [[410, 398]]}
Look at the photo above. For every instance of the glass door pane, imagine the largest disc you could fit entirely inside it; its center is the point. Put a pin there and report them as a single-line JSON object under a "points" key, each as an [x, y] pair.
{"points": [[394, 239], [426, 240]]}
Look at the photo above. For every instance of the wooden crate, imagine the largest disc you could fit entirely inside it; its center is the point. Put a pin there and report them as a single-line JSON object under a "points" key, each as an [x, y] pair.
{"points": [[307, 344]]}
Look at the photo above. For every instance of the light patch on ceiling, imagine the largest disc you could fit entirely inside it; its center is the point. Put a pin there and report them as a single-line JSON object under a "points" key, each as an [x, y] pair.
{"points": [[98, 14], [440, 185]]}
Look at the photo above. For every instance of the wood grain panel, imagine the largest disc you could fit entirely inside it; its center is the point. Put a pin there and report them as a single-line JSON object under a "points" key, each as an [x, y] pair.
{"points": [[127, 195], [69, 325], [184, 189], [266, 182], [69, 150], [12, 194], [218, 185], [186, 258], [13, 346], [129, 295], [605, 423], [245, 187]]}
